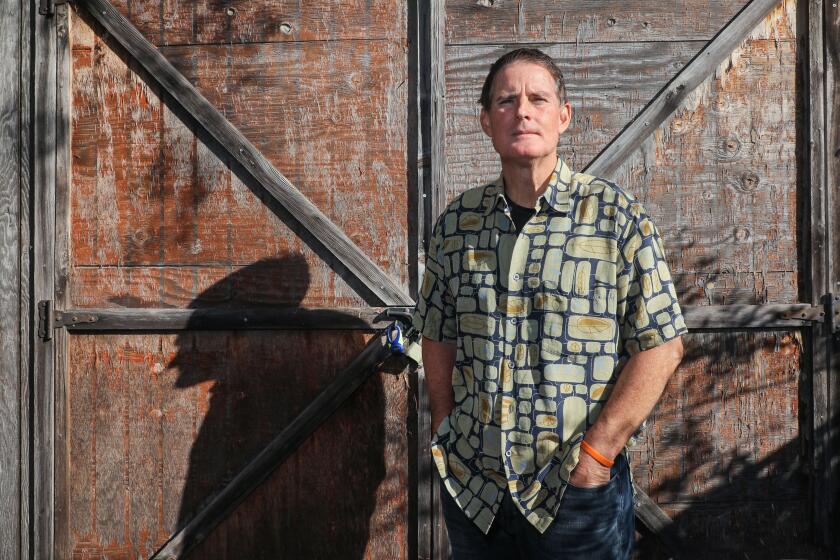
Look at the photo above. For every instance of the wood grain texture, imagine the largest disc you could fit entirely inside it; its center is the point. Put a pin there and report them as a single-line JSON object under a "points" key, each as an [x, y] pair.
{"points": [[43, 169], [818, 254], [587, 21], [261, 21], [63, 180], [150, 192], [751, 21], [10, 342], [276, 452], [608, 84], [726, 435], [26, 308], [832, 179], [331, 242], [162, 422], [720, 175]]}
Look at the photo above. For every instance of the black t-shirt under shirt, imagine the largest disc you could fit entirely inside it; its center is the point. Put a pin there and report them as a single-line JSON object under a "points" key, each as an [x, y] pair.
{"points": [[520, 214]]}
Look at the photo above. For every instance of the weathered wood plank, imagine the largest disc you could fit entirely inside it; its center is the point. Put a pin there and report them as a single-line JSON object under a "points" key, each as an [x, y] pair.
{"points": [[588, 21], [10, 342], [26, 305], [293, 280], [331, 240], [818, 255], [261, 21], [681, 86], [732, 316], [658, 522], [262, 318], [43, 167], [831, 41], [726, 434], [721, 151], [608, 85], [61, 265]]}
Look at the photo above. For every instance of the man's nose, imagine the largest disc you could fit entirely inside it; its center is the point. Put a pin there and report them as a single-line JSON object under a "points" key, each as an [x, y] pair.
{"points": [[523, 109]]}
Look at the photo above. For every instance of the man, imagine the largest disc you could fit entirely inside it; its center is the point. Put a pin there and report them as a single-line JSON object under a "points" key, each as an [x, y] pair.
{"points": [[550, 327]]}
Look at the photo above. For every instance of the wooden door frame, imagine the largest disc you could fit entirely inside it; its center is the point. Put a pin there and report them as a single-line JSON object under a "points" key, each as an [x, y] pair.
{"points": [[48, 102]]}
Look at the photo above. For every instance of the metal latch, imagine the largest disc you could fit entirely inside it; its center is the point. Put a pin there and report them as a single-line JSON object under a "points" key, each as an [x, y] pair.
{"points": [[47, 7], [827, 313], [50, 319]]}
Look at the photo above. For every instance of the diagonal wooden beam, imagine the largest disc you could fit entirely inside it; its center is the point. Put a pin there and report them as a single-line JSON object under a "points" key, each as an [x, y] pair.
{"points": [[280, 448], [331, 239], [681, 85]]}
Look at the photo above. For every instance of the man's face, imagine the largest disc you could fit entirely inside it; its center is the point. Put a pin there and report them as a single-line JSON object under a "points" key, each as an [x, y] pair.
{"points": [[526, 118]]}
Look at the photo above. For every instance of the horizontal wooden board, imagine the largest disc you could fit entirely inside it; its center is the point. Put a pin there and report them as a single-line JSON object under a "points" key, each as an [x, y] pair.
{"points": [[723, 286], [608, 84], [252, 21], [587, 21], [720, 176], [725, 435], [147, 191], [160, 422], [297, 279]]}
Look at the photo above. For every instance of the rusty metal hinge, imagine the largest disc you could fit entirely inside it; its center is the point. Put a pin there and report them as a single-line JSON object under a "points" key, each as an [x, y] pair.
{"points": [[50, 319], [827, 313], [47, 7]]}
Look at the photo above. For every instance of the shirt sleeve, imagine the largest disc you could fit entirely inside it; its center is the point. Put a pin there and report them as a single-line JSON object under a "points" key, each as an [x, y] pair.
{"points": [[434, 314], [652, 314]]}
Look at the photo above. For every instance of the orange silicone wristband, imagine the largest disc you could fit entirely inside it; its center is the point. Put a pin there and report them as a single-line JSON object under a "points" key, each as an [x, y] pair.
{"points": [[595, 455]]}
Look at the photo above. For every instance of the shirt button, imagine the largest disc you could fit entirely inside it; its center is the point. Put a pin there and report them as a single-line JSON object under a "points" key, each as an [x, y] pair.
{"points": [[512, 320], [507, 453], [517, 276]]}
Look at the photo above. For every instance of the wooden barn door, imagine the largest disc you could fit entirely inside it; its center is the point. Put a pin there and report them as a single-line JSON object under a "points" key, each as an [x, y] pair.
{"points": [[196, 299], [711, 114], [202, 300]]}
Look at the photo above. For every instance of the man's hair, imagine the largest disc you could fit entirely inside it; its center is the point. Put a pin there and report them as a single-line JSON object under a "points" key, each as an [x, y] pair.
{"points": [[535, 56]]}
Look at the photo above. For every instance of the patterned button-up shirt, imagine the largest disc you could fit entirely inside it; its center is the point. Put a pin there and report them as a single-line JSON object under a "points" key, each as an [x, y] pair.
{"points": [[543, 320]]}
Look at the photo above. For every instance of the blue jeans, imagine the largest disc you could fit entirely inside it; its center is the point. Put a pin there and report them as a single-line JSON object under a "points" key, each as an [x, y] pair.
{"points": [[592, 523]]}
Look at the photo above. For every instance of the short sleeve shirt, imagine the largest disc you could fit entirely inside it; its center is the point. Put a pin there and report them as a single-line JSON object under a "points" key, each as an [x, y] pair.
{"points": [[543, 319]]}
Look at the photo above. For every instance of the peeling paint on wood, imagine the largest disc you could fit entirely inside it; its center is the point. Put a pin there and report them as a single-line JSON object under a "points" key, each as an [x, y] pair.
{"points": [[148, 192], [720, 175]]}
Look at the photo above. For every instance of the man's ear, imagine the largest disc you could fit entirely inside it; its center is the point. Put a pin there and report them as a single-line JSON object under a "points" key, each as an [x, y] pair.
{"points": [[484, 118], [565, 116]]}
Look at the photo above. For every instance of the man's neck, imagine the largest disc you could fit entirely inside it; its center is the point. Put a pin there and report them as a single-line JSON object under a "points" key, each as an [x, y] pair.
{"points": [[524, 183]]}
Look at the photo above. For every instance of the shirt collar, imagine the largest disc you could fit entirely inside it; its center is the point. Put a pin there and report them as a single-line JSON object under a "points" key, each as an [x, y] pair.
{"points": [[556, 195]]}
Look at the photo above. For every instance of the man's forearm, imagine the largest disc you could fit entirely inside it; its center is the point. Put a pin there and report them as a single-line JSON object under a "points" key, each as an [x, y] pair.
{"points": [[636, 392], [438, 361]]}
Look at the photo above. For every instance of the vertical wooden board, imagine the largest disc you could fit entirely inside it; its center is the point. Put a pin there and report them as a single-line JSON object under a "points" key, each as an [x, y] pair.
{"points": [[116, 204], [608, 84], [174, 22], [588, 21], [10, 342], [160, 422], [720, 175], [725, 432]]}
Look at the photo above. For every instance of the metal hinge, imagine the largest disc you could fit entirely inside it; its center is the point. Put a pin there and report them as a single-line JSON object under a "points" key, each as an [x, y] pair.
{"points": [[47, 7], [828, 312], [50, 319]]}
